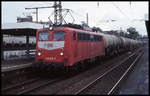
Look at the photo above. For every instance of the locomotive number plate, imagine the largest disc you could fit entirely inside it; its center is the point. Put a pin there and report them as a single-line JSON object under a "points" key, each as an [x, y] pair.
{"points": [[50, 58]]}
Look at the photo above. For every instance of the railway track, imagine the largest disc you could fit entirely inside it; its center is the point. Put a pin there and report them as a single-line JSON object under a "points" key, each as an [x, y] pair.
{"points": [[128, 63], [4, 90], [12, 77], [29, 86], [37, 86]]}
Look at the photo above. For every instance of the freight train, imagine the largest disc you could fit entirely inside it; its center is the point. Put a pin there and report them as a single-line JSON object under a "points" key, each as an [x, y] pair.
{"points": [[66, 46]]}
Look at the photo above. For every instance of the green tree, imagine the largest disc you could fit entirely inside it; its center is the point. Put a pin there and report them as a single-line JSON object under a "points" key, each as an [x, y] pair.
{"points": [[96, 29], [132, 33]]}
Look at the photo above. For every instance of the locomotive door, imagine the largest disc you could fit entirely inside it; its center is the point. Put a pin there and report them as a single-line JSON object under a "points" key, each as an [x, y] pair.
{"points": [[87, 45], [75, 44]]}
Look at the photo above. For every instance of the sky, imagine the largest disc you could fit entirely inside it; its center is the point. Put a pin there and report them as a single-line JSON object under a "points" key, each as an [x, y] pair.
{"points": [[125, 14]]}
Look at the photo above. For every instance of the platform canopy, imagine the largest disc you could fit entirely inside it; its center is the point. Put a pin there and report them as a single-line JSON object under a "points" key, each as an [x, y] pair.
{"points": [[21, 28]]}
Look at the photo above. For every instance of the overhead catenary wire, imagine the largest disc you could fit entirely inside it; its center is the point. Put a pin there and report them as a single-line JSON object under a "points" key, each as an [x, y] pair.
{"points": [[78, 14], [120, 10]]}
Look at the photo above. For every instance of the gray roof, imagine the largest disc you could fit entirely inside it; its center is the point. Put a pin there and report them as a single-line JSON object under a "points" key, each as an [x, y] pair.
{"points": [[22, 25]]}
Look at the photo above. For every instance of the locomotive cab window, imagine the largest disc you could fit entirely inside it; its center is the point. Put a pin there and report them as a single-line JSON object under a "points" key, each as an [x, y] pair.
{"points": [[58, 36], [43, 36]]}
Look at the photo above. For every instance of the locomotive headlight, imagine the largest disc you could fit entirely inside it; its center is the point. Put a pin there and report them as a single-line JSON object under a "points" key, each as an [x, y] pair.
{"points": [[50, 28], [61, 54], [39, 53]]}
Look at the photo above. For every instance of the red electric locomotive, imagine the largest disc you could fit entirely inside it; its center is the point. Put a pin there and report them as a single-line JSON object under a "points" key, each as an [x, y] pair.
{"points": [[65, 46]]}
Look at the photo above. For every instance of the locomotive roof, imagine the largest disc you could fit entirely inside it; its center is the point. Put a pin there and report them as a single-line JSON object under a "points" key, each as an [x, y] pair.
{"points": [[74, 29]]}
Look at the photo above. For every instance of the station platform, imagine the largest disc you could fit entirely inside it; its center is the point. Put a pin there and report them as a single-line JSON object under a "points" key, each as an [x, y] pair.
{"points": [[10, 65], [138, 80]]}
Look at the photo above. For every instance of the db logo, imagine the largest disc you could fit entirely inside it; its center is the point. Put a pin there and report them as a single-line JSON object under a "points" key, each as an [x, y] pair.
{"points": [[49, 45]]}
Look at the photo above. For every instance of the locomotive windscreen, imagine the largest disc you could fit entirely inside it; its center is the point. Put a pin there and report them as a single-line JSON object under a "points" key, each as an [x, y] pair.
{"points": [[58, 36], [43, 36]]}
